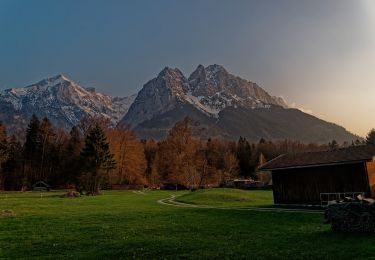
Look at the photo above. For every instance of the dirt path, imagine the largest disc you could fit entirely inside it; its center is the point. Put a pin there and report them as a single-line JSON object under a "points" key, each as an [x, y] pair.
{"points": [[171, 201]]}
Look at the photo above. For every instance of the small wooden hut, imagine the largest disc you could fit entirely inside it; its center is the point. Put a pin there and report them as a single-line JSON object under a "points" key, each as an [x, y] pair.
{"points": [[303, 178], [41, 186]]}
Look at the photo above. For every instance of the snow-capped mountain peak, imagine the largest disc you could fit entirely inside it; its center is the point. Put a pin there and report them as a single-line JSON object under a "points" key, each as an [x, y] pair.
{"points": [[222, 105], [209, 89], [59, 79], [63, 101]]}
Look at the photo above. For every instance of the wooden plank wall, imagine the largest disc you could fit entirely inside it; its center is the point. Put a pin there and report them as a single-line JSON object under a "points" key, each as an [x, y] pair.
{"points": [[304, 185], [371, 176]]}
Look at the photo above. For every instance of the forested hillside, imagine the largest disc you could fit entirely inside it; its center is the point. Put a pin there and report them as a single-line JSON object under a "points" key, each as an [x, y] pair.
{"points": [[94, 156]]}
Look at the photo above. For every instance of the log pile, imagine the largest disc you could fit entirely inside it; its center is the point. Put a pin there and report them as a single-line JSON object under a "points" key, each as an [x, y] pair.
{"points": [[352, 215]]}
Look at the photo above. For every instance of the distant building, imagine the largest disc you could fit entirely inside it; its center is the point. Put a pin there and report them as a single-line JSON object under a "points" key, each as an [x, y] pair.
{"points": [[41, 186], [243, 184], [303, 178]]}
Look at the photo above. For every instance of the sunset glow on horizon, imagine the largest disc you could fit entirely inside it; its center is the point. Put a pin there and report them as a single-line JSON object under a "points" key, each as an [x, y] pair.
{"points": [[318, 55]]}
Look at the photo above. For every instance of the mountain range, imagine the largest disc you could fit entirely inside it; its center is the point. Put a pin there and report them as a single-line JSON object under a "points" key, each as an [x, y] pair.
{"points": [[62, 101], [221, 105]]}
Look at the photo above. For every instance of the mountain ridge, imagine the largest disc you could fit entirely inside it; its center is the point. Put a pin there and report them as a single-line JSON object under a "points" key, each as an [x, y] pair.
{"points": [[210, 89], [226, 106], [61, 100], [222, 104]]}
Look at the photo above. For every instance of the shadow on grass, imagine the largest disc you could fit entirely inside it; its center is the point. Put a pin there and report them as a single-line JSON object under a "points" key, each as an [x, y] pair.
{"points": [[313, 207], [31, 195]]}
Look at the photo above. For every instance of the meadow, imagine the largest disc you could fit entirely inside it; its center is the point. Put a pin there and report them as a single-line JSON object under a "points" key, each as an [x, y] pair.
{"points": [[127, 224]]}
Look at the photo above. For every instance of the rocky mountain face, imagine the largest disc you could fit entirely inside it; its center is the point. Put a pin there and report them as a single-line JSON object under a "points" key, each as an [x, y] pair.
{"points": [[157, 96], [209, 90], [216, 88], [223, 105], [61, 100]]}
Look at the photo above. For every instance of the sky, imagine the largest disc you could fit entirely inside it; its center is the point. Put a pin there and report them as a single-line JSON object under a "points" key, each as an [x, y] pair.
{"points": [[319, 55]]}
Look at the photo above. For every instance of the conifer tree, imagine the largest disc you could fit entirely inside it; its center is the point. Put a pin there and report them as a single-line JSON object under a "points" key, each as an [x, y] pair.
{"points": [[370, 138], [11, 167], [32, 133], [96, 160], [71, 156], [45, 139], [244, 156], [150, 150], [333, 145], [3, 152], [31, 151]]}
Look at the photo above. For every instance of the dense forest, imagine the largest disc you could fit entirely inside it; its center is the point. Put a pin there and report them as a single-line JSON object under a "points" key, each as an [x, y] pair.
{"points": [[94, 156]]}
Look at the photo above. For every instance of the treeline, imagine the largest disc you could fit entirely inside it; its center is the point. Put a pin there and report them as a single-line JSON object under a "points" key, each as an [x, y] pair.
{"points": [[94, 156]]}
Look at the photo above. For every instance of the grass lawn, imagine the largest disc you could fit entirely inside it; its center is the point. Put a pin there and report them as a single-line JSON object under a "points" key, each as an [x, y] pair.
{"points": [[228, 198], [122, 224]]}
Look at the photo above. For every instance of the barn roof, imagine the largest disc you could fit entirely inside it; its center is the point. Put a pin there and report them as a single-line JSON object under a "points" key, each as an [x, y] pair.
{"points": [[352, 154], [42, 183]]}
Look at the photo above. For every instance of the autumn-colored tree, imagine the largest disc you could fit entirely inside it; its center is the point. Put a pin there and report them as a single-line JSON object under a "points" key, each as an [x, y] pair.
{"points": [[129, 154], [174, 162], [181, 159], [204, 164], [230, 166], [225, 165], [210, 162]]}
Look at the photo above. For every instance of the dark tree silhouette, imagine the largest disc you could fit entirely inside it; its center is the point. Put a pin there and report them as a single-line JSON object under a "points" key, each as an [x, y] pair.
{"points": [[96, 160], [333, 145], [11, 167], [71, 157], [31, 152], [244, 156], [3, 152], [370, 138]]}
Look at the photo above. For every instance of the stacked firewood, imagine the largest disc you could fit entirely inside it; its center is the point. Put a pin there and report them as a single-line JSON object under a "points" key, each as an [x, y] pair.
{"points": [[352, 215]]}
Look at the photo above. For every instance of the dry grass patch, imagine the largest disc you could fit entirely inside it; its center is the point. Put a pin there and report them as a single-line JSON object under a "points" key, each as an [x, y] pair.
{"points": [[7, 213]]}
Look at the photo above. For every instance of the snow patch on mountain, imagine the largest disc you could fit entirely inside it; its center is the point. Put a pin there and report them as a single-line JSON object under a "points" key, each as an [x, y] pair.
{"points": [[209, 89], [197, 103], [65, 102]]}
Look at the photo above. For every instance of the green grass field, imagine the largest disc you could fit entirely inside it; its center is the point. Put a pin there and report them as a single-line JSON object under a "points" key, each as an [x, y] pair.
{"points": [[122, 224], [228, 198]]}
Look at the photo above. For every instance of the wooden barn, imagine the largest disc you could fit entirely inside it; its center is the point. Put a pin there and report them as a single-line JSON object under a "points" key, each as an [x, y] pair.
{"points": [[304, 178]]}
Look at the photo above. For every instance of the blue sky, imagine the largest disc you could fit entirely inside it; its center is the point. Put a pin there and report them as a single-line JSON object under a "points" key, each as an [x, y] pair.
{"points": [[319, 55]]}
